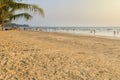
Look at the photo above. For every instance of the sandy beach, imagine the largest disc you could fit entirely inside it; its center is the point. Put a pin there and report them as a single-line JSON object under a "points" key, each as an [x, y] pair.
{"points": [[26, 55]]}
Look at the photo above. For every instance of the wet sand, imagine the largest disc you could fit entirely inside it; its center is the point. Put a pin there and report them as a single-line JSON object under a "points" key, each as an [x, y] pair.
{"points": [[57, 56]]}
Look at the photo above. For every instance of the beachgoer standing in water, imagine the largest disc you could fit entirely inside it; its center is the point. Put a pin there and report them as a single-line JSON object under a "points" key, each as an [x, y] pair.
{"points": [[94, 31], [91, 31], [114, 33]]}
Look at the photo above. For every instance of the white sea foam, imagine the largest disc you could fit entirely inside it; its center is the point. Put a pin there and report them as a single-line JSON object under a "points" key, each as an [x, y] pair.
{"points": [[93, 31]]}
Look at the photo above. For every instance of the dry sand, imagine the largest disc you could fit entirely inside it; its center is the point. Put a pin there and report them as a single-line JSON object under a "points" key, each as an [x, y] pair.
{"points": [[57, 56]]}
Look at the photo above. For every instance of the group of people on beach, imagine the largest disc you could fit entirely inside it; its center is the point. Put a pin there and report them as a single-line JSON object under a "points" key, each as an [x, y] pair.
{"points": [[93, 32], [115, 33]]}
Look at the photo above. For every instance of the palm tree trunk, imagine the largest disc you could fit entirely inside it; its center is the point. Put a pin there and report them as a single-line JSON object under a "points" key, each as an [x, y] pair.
{"points": [[2, 28], [2, 25]]}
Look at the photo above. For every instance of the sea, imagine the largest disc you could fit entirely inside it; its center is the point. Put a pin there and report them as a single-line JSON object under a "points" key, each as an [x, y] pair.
{"points": [[93, 31]]}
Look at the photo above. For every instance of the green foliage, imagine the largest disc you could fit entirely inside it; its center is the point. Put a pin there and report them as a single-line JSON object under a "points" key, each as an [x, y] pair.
{"points": [[8, 8]]}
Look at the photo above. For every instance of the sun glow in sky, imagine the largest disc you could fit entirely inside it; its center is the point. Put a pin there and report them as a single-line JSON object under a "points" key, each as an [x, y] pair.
{"points": [[76, 12]]}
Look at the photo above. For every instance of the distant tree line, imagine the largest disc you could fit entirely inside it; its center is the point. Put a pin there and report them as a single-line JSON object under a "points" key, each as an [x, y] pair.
{"points": [[16, 25]]}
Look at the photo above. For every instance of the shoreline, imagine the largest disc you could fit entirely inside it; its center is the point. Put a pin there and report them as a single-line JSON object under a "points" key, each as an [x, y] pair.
{"points": [[88, 35], [100, 31]]}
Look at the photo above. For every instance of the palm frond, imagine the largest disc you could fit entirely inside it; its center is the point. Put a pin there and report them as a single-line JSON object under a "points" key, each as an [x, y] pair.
{"points": [[21, 15], [28, 7], [3, 5], [8, 8]]}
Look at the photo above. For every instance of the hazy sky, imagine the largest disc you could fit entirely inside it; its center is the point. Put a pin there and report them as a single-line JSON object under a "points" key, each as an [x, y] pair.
{"points": [[77, 12]]}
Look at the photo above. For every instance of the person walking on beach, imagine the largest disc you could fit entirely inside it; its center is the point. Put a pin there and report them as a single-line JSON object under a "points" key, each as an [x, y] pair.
{"points": [[91, 31], [24, 29], [94, 31], [114, 33]]}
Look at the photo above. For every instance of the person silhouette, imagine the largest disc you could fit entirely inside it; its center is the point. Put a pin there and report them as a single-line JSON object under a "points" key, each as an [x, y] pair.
{"points": [[91, 31], [94, 31], [114, 33]]}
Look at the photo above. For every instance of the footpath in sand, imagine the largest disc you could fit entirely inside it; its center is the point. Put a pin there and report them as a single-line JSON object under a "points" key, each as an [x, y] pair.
{"points": [[57, 56]]}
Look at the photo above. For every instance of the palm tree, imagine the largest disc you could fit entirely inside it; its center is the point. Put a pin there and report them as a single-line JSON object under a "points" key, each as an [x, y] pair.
{"points": [[8, 8]]}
